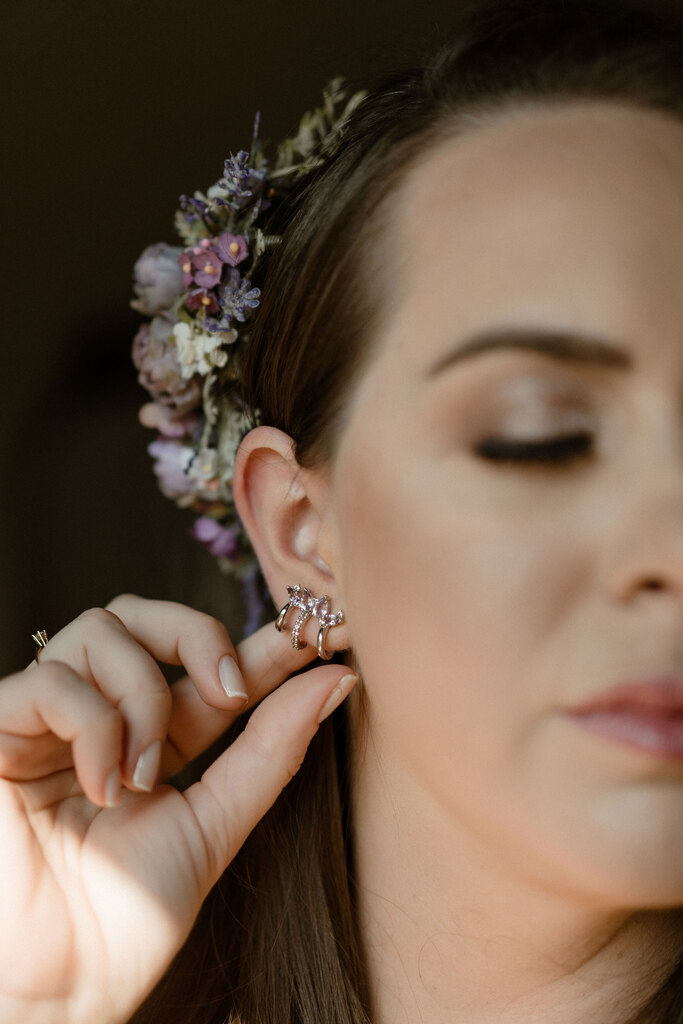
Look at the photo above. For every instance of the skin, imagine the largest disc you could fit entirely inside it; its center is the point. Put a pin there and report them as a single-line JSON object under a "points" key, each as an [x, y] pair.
{"points": [[512, 865], [100, 884]]}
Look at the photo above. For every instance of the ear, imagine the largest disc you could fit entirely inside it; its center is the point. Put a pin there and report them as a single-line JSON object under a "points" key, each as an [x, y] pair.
{"points": [[284, 510]]}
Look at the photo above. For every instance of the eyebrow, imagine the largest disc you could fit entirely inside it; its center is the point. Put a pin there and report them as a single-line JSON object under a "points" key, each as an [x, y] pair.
{"points": [[566, 346]]}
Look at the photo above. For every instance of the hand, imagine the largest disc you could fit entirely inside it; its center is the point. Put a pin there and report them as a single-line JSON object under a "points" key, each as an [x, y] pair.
{"points": [[97, 899]]}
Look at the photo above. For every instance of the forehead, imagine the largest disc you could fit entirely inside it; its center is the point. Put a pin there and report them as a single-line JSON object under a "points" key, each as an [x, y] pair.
{"points": [[570, 213]]}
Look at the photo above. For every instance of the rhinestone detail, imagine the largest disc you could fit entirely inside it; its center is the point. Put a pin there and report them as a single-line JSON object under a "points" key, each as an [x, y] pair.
{"points": [[308, 605]]}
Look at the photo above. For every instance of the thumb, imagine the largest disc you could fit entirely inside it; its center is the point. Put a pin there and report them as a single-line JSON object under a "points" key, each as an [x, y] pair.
{"points": [[235, 792]]}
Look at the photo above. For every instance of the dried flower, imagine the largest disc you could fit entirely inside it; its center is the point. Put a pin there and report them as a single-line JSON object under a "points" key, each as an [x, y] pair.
{"points": [[155, 356], [240, 182], [158, 282], [236, 297], [206, 267], [220, 540], [161, 418], [170, 467], [200, 298], [193, 207], [199, 352], [202, 305], [232, 249]]}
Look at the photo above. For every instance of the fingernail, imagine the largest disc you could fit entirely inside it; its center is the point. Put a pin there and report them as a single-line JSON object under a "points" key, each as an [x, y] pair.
{"points": [[147, 768], [112, 788], [341, 690], [231, 678]]}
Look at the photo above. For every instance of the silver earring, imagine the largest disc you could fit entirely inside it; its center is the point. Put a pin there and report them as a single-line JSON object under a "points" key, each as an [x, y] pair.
{"points": [[301, 598]]}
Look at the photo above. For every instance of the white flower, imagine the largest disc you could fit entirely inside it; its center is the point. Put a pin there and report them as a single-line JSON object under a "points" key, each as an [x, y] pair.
{"points": [[199, 351], [204, 466], [204, 473]]}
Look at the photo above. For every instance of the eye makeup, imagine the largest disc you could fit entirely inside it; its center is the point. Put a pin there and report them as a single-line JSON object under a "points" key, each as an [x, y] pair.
{"points": [[536, 421], [525, 406], [508, 413]]}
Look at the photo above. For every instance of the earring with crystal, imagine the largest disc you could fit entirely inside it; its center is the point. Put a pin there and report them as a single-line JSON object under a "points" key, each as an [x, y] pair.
{"points": [[308, 605]]}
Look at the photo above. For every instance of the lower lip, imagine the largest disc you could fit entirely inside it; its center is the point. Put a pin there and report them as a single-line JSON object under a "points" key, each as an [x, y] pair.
{"points": [[656, 734]]}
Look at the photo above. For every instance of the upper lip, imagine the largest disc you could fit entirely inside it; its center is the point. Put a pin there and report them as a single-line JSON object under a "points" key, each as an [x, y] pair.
{"points": [[661, 694]]}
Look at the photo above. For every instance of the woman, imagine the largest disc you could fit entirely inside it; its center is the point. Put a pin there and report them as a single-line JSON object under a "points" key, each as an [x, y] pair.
{"points": [[467, 362]]}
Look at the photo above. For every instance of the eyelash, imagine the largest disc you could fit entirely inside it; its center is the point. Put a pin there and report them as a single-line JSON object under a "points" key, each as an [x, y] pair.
{"points": [[551, 451]]}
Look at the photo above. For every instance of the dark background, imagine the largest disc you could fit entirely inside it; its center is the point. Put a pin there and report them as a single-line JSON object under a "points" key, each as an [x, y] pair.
{"points": [[111, 110]]}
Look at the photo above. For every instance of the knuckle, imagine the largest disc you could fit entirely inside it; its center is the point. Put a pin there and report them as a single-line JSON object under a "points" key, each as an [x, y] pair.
{"points": [[209, 622], [56, 674], [211, 626], [292, 766], [154, 695], [98, 617], [101, 715], [100, 725], [110, 716], [262, 746], [120, 601], [274, 755]]}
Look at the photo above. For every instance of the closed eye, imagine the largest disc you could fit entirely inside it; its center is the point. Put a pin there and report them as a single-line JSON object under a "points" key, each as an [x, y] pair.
{"points": [[546, 451]]}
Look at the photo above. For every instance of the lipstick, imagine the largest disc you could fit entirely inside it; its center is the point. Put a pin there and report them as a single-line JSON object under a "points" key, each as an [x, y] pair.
{"points": [[645, 714]]}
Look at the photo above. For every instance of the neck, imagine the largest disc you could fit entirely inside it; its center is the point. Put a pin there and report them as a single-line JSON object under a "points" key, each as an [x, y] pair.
{"points": [[452, 936]]}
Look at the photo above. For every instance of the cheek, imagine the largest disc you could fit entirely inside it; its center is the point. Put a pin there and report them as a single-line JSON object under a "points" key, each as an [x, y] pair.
{"points": [[450, 605], [470, 607]]}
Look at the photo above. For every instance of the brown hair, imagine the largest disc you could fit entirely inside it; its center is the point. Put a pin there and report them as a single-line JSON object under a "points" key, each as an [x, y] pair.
{"points": [[276, 941]]}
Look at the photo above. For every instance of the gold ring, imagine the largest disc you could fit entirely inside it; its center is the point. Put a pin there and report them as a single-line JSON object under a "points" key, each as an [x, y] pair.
{"points": [[40, 639]]}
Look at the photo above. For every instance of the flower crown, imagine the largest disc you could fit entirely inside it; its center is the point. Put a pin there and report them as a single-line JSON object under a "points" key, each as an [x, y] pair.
{"points": [[202, 303]]}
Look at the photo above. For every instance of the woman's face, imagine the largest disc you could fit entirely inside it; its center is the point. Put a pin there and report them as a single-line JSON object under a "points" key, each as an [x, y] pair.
{"points": [[484, 597]]}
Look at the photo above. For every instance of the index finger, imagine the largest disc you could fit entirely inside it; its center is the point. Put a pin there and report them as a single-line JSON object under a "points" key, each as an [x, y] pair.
{"points": [[176, 634], [179, 635]]}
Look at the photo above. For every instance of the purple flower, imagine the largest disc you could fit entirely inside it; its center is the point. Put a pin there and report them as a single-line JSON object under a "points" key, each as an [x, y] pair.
{"points": [[155, 356], [236, 297], [185, 264], [220, 540], [239, 183], [193, 209], [206, 268], [232, 249], [158, 281], [199, 297], [171, 460]]}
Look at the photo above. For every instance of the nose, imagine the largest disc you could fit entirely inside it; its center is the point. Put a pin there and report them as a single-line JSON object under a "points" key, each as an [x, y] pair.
{"points": [[645, 547]]}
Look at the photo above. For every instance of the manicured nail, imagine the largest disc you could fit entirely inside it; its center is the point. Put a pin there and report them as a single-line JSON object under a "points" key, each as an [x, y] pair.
{"points": [[231, 678], [112, 788], [147, 768], [341, 690]]}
